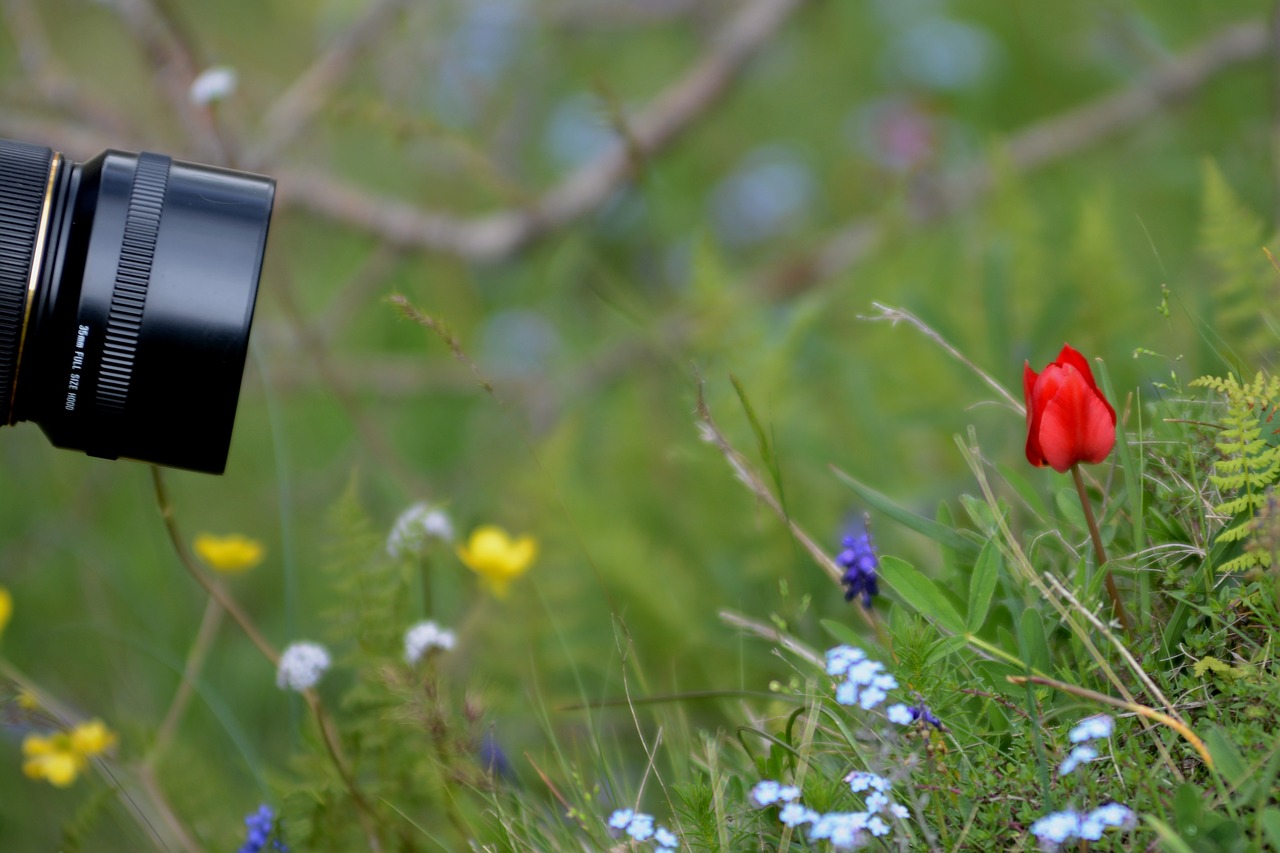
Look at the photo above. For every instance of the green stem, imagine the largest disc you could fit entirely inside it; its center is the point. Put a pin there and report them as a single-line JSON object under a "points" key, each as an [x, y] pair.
{"points": [[218, 593], [1099, 552], [196, 658]]}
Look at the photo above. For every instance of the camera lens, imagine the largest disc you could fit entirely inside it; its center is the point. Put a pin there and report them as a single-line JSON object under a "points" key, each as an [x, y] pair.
{"points": [[127, 286]]}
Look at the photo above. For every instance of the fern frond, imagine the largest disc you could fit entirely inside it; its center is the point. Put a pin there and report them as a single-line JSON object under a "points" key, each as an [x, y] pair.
{"points": [[1231, 238], [1250, 463]]}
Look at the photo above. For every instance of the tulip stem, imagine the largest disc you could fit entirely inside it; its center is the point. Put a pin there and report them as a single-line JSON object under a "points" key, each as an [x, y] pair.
{"points": [[1099, 552]]}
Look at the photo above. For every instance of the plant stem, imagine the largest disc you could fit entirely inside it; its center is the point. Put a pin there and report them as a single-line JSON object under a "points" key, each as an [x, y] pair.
{"points": [[196, 657], [215, 590], [219, 595], [1099, 552]]}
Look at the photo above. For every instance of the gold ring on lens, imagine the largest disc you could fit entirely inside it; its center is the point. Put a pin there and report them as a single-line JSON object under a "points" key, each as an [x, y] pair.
{"points": [[37, 263]]}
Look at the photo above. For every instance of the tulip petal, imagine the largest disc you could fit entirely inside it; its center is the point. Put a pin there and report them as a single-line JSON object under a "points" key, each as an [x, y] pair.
{"points": [[1029, 379], [1071, 356], [1046, 387], [1075, 424]]}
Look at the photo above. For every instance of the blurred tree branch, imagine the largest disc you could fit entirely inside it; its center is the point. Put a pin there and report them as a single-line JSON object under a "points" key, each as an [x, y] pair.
{"points": [[1034, 147], [45, 82], [502, 234], [291, 114], [499, 235], [495, 236], [176, 66]]}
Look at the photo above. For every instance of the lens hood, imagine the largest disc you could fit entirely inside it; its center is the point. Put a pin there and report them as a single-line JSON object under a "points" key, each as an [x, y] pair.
{"points": [[126, 333]]}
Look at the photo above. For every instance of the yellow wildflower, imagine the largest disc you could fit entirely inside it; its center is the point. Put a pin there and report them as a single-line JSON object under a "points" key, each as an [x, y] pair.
{"points": [[60, 757], [92, 737], [232, 554], [497, 558], [27, 700], [6, 608], [52, 759]]}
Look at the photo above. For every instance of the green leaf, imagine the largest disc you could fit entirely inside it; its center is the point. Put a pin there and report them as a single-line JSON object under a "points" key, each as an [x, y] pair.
{"points": [[1028, 493], [943, 648], [1230, 764], [950, 561], [1270, 821], [842, 633], [767, 452], [997, 675], [921, 593], [1032, 641], [982, 585], [1173, 631], [762, 438], [1170, 841], [1067, 500], [1188, 805], [983, 518], [931, 529]]}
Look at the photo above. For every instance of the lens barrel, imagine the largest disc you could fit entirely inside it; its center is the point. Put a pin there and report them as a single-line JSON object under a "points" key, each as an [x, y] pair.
{"points": [[127, 287]]}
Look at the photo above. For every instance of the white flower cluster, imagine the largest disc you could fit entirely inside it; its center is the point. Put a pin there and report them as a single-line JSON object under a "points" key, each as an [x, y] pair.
{"points": [[845, 830], [640, 827], [301, 666], [213, 84], [424, 637], [415, 528]]}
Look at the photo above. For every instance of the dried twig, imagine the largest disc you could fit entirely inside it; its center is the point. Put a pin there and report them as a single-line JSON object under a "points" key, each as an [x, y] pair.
{"points": [[772, 634], [748, 476], [1141, 710], [896, 315]]}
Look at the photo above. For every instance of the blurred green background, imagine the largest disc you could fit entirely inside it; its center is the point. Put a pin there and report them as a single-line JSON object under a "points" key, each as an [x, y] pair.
{"points": [[716, 260]]}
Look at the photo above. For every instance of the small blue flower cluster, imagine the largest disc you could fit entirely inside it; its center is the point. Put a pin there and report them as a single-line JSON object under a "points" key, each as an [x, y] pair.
{"points": [[640, 827], [859, 561], [1057, 828], [865, 683], [845, 830], [261, 826], [1097, 727]]}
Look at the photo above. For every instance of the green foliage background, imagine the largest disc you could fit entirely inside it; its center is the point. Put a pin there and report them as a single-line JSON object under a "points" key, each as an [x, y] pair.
{"points": [[594, 448]]}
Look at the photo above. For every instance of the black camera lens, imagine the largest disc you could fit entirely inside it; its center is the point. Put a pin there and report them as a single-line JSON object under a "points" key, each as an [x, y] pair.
{"points": [[127, 286]]}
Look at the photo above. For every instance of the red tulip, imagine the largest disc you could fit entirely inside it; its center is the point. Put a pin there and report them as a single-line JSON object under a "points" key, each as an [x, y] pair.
{"points": [[1068, 419]]}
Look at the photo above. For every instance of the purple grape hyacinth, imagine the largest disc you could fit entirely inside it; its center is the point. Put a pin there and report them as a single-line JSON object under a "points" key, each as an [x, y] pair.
{"points": [[260, 827], [859, 560]]}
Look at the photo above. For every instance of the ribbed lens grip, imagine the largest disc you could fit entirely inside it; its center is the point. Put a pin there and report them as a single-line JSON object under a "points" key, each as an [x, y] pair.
{"points": [[24, 178], [133, 277]]}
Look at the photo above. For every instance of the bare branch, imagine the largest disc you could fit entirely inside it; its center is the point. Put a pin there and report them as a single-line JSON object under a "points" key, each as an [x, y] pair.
{"points": [[290, 115], [75, 140], [1039, 145], [501, 234], [175, 68], [45, 83]]}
